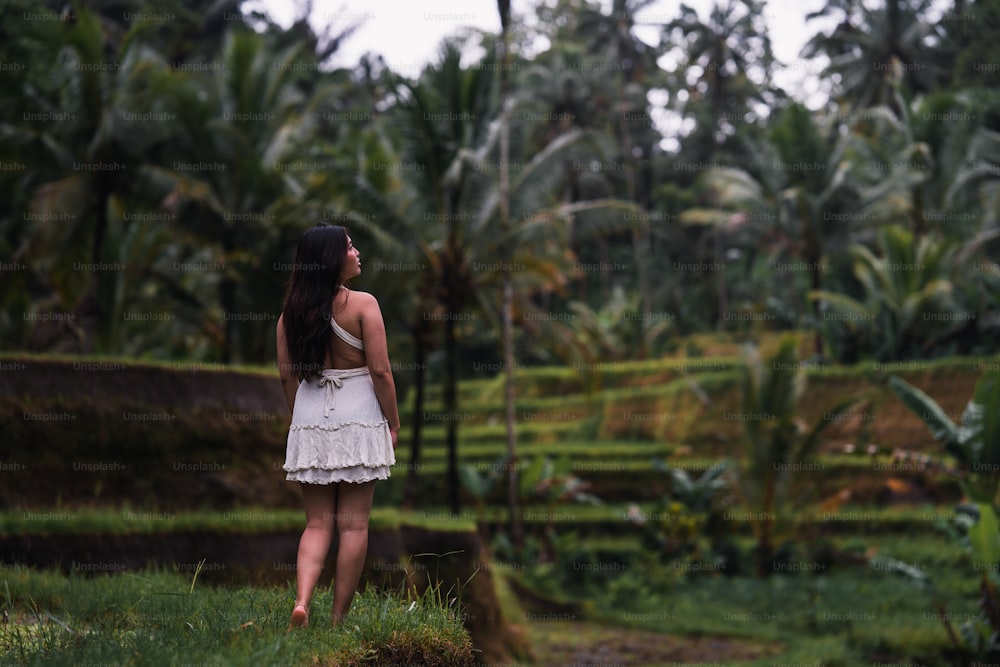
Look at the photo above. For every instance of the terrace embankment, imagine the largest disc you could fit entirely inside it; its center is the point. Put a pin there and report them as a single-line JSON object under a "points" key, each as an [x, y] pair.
{"points": [[80, 432]]}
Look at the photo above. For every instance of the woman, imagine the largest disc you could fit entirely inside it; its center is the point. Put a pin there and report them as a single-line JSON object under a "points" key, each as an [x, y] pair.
{"points": [[335, 373]]}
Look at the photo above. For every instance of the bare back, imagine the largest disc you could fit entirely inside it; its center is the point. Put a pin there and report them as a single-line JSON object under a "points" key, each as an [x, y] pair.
{"points": [[348, 312]]}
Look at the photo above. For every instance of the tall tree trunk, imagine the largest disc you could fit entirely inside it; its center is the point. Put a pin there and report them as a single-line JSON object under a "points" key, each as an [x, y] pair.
{"points": [[451, 407], [510, 398], [605, 268], [638, 242], [814, 260], [764, 551], [918, 217], [102, 323], [227, 299], [510, 389], [816, 283], [719, 243], [417, 418], [765, 548]]}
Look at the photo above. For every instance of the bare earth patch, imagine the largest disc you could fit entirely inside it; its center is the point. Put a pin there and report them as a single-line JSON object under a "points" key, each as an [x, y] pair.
{"points": [[560, 643]]}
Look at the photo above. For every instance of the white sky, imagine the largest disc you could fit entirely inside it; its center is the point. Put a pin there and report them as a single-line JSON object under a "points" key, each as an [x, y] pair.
{"points": [[408, 33]]}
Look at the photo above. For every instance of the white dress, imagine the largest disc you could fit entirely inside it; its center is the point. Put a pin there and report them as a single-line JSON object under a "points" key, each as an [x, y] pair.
{"points": [[338, 432]]}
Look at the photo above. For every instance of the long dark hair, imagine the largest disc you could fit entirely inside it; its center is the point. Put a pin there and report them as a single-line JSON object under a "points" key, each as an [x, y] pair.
{"points": [[319, 260]]}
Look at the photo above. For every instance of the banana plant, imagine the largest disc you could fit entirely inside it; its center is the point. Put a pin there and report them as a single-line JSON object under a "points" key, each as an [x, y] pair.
{"points": [[479, 482], [678, 520], [975, 446], [552, 484], [909, 280], [697, 494]]}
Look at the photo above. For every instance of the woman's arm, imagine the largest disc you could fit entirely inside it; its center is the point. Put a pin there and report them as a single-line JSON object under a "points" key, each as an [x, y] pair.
{"points": [[289, 384], [377, 354]]}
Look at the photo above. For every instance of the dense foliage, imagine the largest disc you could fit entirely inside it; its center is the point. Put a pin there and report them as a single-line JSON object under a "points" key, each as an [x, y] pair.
{"points": [[159, 162]]}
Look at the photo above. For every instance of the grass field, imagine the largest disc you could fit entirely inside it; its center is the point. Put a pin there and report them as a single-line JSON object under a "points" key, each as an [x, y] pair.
{"points": [[840, 616], [160, 618], [664, 615]]}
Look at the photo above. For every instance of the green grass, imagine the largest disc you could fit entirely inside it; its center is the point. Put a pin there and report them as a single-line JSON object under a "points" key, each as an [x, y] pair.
{"points": [[536, 380], [640, 456], [846, 615], [115, 521], [118, 521], [582, 401], [149, 362], [106, 520], [606, 518], [927, 549], [435, 434], [160, 618], [487, 453], [903, 368], [863, 612]]}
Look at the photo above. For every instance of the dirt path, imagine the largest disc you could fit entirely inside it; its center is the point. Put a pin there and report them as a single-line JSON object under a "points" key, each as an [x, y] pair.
{"points": [[561, 643]]}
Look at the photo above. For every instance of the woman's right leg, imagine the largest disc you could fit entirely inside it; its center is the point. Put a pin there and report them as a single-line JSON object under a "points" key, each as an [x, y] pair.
{"points": [[354, 505], [320, 501]]}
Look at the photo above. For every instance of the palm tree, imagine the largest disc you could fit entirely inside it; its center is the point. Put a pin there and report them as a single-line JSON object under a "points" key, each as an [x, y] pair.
{"points": [[908, 285], [615, 33], [898, 165], [872, 50], [976, 181], [570, 94], [29, 162], [89, 163], [162, 126], [240, 146], [608, 334], [947, 125], [448, 208], [191, 35], [776, 440], [728, 62], [613, 37], [968, 46], [442, 147], [798, 198]]}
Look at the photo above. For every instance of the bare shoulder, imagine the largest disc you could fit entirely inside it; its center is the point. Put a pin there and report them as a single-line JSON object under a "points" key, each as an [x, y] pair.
{"points": [[363, 300], [357, 305]]}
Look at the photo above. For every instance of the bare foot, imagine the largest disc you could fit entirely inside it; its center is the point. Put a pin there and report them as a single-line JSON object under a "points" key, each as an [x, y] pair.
{"points": [[300, 617]]}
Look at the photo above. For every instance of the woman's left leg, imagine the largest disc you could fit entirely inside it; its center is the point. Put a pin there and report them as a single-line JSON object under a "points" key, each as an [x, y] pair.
{"points": [[354, 505]]}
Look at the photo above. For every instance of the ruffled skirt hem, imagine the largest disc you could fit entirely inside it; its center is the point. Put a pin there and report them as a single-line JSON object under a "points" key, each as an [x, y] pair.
{"points": [[346, 446], [352, 475]]}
